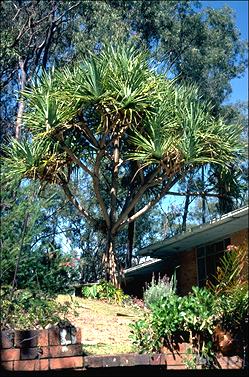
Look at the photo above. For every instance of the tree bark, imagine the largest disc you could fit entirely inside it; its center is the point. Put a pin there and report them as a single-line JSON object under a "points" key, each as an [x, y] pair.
{"points": [[109, 258], [203, 197], [187, 202], [22, 83], [109, 261], [185, 213], [130, 243]]}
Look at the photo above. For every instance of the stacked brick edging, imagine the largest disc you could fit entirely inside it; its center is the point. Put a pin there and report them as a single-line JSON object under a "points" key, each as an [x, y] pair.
{"points": [[179, 358], [34, 350], [56, 348], [123, 360], [229, 362], [171, 361]]}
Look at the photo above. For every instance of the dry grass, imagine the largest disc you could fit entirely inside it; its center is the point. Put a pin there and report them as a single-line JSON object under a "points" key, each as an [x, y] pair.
{"points": [[104, 326]]}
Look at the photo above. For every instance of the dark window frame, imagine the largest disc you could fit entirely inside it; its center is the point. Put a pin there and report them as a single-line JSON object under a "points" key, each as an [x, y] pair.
{"points": [[207, 257]]}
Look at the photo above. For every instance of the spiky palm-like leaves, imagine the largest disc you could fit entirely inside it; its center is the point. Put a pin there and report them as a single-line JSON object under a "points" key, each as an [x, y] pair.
{"points": [[106, 111], [46, 114], [35, 161], [183, 128], [167, 123], [116, 93]]}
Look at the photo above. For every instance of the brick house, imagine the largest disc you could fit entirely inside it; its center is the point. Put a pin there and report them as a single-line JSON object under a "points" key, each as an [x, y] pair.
{"points": [[193, 254]]}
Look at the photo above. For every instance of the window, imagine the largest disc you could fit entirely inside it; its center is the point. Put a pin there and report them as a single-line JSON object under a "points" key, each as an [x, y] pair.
{"points": [[208, 258]]}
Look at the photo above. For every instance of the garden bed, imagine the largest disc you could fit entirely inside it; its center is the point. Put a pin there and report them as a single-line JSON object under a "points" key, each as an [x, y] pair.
{"points": [[60, 348]]}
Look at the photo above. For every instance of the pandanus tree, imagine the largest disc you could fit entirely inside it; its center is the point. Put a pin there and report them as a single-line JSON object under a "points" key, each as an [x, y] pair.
{"points": [[127, 130]]}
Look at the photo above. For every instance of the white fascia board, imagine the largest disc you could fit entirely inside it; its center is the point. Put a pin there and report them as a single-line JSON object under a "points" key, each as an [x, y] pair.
{"points": [[239, 213]]}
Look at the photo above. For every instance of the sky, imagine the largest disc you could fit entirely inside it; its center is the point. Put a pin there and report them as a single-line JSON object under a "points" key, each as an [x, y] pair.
{"points": [[239, 85]]}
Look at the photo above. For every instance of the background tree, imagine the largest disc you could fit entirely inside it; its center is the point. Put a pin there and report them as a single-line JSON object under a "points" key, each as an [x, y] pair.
{"points": [[32, 253]]}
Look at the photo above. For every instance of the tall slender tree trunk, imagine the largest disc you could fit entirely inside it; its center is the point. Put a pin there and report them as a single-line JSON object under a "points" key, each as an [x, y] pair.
{"points": [[203, 197], [20, 110], [109, 259], [185, 213], [187, 203], [110, 263], [130, 241]]}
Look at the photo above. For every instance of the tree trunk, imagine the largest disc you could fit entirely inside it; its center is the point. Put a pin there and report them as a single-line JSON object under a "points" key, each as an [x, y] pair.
{"points": [[187, 203], [185, 213], [203, 197], [22, 81], [109, 261], [131, 234]]}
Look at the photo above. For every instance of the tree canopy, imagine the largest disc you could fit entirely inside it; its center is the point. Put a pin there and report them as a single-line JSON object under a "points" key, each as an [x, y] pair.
{"points": [[200, 45], [109, 112]]}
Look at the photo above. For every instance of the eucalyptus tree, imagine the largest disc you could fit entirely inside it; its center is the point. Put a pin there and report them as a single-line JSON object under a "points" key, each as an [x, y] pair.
{"points": [[109, 111]]}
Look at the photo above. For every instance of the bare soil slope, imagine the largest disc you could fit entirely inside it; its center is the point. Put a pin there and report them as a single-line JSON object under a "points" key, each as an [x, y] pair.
{"points": [[104, 326]]}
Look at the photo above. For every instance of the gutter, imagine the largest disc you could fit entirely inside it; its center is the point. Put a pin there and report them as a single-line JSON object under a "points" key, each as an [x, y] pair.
{"points": [[196, 230]]}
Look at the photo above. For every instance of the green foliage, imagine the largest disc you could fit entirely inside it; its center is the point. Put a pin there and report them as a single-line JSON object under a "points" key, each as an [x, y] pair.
{"points": [[201, 46], [199, 311], [231, 288], [198, 314], [28, 238], [234, 309], [115, 97], [166, 319], [194, 316], [157, 290], [197, 44], [193, 135], [232, 271], [104, 291], [24, 309], [143, 337], [50, 271]]}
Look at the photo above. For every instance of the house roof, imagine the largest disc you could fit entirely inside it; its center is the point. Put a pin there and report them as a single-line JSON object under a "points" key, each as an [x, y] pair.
{"points": [[215, 230], [149, 266]]}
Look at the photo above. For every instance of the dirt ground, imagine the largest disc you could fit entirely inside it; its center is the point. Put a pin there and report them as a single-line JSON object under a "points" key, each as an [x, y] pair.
{"points": [[104, 326]]}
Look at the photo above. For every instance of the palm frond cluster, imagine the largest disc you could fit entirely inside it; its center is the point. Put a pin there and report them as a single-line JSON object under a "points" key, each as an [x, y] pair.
{"points": [[36, 161], [115, 94]]}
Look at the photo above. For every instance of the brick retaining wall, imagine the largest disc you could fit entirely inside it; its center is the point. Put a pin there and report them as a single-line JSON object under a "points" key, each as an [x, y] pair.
{"points": [[38, 350], [58, 349]]}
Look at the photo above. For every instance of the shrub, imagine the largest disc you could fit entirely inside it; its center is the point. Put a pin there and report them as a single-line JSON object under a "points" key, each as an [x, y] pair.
{"points": [[222, 305], [231, 292], [163, 320], [104, 291], [23, 309], [231, 288], [171, 316], [143, 336], [199, 311], [155, 291]]}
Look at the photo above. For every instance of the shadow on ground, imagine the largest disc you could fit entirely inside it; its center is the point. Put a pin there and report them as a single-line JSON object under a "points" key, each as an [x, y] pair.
{"points": [[124, 372]]}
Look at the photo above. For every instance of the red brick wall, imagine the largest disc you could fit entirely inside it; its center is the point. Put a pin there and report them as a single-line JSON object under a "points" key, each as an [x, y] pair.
{"points": [[43, 350], [239, 237], [38, 350], [187, 272]]}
